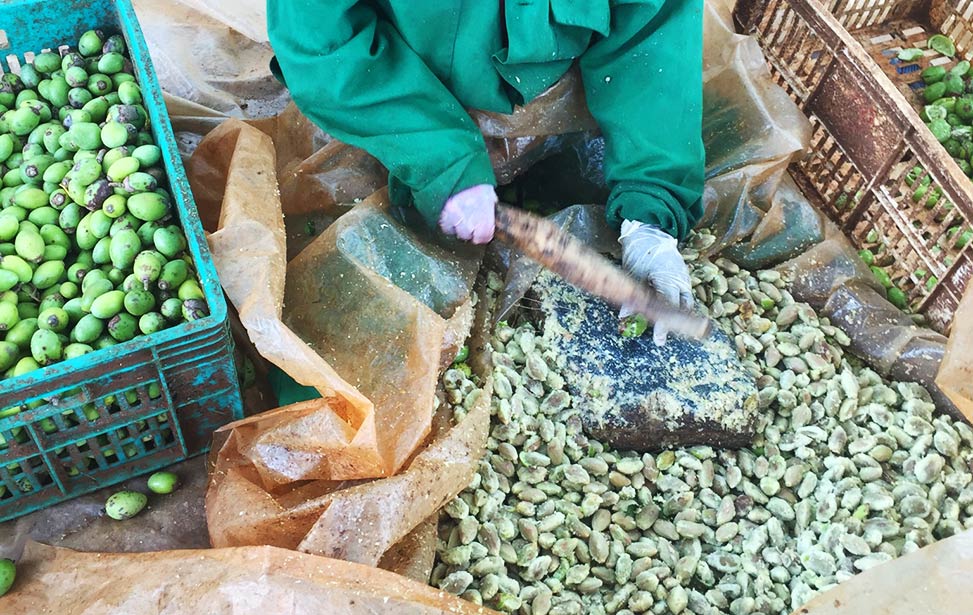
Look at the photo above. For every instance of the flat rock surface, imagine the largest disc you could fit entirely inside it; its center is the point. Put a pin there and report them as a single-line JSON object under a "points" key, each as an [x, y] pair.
{"points": [[635, 395]]}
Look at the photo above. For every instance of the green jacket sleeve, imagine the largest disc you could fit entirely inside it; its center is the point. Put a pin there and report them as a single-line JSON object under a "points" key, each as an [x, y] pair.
{"points": [[644, 87], [350, 72]]}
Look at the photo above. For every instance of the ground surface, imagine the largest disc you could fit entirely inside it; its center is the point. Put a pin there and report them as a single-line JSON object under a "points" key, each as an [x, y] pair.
{"points": [[174, 521]]}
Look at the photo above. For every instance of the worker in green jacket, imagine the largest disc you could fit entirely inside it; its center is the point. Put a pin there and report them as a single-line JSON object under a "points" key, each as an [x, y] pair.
{"points": [[394, 77]]}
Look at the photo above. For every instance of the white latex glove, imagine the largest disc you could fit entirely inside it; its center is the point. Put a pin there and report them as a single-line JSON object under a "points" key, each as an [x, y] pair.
{"points": [[652, 255], [469, 214]]}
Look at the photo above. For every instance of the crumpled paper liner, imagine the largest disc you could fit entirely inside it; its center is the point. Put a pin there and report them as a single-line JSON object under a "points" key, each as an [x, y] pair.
{"points": [[232, 173], [353, 520], [237, 581]]}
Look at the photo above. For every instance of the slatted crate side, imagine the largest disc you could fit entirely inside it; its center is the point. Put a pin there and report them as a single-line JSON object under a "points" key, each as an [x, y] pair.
{"points": [[866, 135], [954, 18], [856, 14]]}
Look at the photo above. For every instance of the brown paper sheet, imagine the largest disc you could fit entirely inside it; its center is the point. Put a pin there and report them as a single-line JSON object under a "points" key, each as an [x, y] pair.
{"points": [[934, 580], [241, 581], [955, 376]]}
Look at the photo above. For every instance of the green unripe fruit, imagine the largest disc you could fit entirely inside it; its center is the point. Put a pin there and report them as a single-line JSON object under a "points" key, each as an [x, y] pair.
{"points": [[8, 574], [46, 347], [163, 483], [72, 351], [9, 315], [152, 322], [88, 329], [49, 274], [138, 302], [9, 355], [90, 43], [125, 505], [123, 327], [114, 135], [53, 319], [108, 304]]}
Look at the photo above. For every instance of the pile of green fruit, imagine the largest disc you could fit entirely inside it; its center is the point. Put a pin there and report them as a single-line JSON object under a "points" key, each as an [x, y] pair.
{"points": [[949, 110], [948, 113], [90, 253]]}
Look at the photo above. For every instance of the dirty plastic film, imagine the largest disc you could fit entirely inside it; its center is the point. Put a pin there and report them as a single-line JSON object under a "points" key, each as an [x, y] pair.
{"points": [[371, 330]]}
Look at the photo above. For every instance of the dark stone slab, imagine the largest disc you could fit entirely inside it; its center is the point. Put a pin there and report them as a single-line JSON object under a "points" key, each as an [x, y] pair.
{"points": [[635, 395]]}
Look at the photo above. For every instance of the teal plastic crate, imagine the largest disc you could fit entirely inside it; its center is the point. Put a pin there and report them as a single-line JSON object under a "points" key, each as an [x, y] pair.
{"points": [[116, 413]]}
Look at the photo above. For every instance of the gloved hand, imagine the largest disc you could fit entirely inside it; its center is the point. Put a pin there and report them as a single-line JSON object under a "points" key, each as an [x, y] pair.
{"points": [[653, 256], [469, 214]]}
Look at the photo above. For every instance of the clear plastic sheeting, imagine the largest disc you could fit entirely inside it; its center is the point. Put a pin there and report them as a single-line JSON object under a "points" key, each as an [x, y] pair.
{"points": [[248, 17], [233, 182], [789, 227], [512, 157], [241, 581], [207, 54], [832, 278], [751, 128], [560, 110]]}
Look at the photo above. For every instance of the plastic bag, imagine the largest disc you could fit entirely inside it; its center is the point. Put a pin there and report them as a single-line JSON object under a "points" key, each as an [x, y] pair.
{"points": [[352, 520], [789, 227], [751, 129], [242, 581], [559, 110], [248, 17], [832, 278], [206, 57], [232, 179], [955, 375], [292, 476]]}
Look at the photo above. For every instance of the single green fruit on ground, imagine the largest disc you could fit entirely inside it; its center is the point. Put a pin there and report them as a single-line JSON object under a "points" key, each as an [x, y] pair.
{"points": [[163, 482], [8, 573], [125, 504]]}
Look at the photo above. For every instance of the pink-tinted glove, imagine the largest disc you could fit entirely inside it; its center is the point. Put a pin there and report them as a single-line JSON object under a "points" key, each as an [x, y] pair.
{"points": [[469, 214]]}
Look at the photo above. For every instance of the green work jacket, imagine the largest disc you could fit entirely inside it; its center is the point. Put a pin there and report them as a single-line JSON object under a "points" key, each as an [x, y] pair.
{"points": [[395, 77]]}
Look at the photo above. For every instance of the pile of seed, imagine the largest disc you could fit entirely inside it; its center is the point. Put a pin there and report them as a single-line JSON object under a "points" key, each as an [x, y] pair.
{"points": [[847, 472]]}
